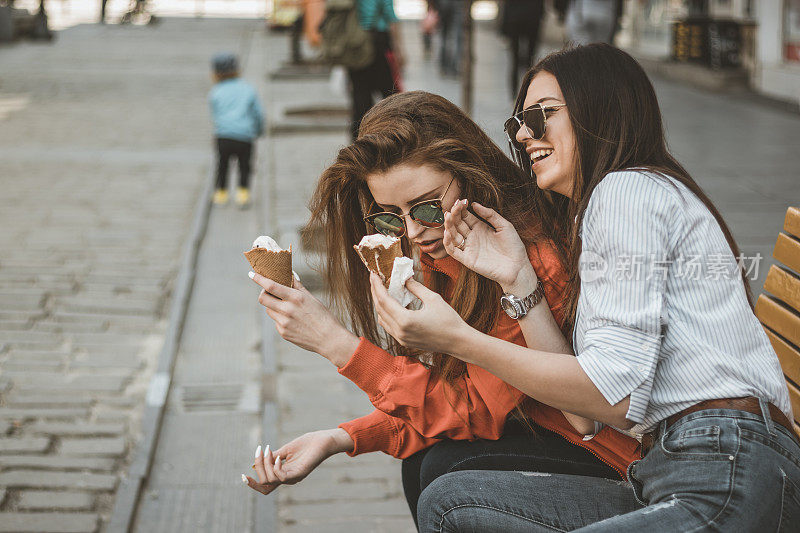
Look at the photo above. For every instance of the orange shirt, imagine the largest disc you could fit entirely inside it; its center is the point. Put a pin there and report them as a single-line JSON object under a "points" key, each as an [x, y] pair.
{"points": [[415, 409]]}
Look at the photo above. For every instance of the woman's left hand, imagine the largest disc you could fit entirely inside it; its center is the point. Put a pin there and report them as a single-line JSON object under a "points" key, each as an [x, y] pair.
{"points": [[436, 327], [495, 252]]}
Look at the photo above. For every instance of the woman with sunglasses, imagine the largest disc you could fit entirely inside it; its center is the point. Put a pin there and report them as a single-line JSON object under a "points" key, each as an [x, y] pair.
{"points": [[416, 154], [663, 348]]}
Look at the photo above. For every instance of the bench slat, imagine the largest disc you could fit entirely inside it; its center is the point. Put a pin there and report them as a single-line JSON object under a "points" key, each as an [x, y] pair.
{"points": [[787, 251], [778, 318], [783, 286], [791, 223], [788, 355], [794, 398]]}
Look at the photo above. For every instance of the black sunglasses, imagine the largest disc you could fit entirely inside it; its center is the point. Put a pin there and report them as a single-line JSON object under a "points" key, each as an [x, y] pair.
{"points": [[428, 213], [533, 119]]}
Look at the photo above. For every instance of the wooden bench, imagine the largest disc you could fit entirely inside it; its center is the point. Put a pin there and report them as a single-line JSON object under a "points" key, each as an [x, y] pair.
{"points": [[779, 311]]}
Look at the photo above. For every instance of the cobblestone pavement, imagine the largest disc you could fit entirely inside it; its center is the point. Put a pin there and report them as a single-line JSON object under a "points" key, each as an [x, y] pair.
{"points": [[104, 148]]}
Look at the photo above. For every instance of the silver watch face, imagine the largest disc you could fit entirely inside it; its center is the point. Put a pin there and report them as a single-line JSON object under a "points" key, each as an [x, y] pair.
{"points": [[508, 306]]}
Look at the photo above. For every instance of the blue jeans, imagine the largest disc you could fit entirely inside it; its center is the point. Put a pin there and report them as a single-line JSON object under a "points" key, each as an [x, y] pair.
{"points": [[713, 470], [517, 449]]}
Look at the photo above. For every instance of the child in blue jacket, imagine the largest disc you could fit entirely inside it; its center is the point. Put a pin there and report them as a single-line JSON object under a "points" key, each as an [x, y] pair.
{"points": [[238, 121]]}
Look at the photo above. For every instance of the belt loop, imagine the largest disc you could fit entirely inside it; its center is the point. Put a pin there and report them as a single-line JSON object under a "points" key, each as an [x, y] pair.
{"points": [[767, 418], [662, 429]]}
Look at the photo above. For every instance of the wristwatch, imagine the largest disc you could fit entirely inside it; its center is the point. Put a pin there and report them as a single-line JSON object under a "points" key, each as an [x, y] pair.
{"points": [[517, 308]]}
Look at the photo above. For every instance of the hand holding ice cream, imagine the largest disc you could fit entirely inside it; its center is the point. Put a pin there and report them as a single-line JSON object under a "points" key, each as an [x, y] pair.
{"points": [[383, 255]]}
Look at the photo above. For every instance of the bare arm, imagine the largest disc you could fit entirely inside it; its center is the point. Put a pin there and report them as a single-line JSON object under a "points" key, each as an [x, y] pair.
{"points": [[555, 379]]}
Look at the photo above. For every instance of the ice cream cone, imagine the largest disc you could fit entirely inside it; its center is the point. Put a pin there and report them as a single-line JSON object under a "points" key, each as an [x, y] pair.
{"points": [[276, 266], [380, 258]]}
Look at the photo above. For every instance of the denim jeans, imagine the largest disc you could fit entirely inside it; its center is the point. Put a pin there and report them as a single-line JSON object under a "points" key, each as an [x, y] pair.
{"points": [[713, 470], [517, 449]]}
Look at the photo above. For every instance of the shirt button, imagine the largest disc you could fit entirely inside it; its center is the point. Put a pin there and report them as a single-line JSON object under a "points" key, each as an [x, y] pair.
{"points": [[642, 368]]}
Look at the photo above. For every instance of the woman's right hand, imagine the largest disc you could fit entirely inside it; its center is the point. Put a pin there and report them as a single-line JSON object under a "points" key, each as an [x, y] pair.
{"points": [[495, 252], [304, 321], [294, 461]]}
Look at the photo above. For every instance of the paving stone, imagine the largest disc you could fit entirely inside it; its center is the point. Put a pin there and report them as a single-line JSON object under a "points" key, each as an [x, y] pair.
{"points": [[42, 500], [114, 352], [70, 328], [48, 414], [325, 510], [112, 360], [49, 522], [15, 325], [82, 429], [2, 496], [41, 479], [49, 400], [86, 305], [22, 364], [79, 383], [36, 355], [24, 444], [30, 337], [21, 301], [93, 447], [105, 415], [56, 462]]}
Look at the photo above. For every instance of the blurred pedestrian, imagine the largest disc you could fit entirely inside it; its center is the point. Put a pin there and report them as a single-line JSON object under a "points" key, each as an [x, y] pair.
{"points": [[238, 121], [522, 20], [382, 75], [428, 27], [451, 26], [591, 21]]}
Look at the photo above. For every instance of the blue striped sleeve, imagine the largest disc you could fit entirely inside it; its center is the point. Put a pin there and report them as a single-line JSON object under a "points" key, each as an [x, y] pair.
{"points": [[626, 228]]}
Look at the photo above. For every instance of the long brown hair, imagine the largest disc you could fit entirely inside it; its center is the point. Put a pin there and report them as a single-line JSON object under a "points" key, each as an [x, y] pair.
{"points": [[415, 128], [617, 123]]}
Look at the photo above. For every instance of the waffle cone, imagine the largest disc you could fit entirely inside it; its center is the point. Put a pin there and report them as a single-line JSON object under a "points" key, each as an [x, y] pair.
{"points": [[380, 260], [276, 266]]}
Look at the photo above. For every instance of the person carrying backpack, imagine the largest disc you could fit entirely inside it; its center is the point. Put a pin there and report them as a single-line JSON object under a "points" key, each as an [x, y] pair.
{"points": [[374, 60]]}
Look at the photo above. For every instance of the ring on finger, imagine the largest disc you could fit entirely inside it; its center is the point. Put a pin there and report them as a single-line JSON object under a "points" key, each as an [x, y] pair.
{"points": [[463, 243]]}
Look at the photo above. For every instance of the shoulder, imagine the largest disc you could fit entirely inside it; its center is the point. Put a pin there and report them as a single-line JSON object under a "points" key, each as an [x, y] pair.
{"points": [[636, 182], [636, 191]]}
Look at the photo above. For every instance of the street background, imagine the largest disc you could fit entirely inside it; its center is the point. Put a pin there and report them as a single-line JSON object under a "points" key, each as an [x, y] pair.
{"points": [[105, 159]]}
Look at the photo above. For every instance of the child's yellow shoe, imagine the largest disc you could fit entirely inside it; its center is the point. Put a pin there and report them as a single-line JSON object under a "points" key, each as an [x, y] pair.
{"points": [[220, 197], [243, 197]]}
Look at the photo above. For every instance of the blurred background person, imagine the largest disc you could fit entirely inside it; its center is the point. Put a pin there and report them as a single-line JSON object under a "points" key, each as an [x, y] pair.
{"points": [[238, 121], [451, 24], [591, 21], [382, 75], [521, 21], [428, 27]]}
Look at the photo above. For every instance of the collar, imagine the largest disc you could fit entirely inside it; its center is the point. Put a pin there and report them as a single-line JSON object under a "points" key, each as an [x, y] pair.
{"points": [[448, 266]]}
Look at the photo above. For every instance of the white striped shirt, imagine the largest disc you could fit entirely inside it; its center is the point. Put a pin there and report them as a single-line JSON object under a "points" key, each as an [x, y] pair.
{"points": [[662, 314]]}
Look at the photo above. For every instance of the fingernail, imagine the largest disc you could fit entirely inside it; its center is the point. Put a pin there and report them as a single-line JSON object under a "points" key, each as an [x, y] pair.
{"points": [[295, 275], [258, 451], [278, 462], [251, 274], [266, 450], [465, 201], [244, 479]]}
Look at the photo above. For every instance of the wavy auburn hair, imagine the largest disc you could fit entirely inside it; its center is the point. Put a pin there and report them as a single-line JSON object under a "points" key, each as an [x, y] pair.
{"points": [[617, 124], [414, 128]]}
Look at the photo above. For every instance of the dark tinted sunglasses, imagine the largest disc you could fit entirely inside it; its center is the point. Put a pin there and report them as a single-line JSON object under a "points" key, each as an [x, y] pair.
{"points": [[533, 119], [428, 213]]}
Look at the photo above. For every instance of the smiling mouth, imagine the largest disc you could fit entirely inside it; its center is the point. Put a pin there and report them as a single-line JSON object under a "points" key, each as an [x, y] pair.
{"points": [[539, 155]]}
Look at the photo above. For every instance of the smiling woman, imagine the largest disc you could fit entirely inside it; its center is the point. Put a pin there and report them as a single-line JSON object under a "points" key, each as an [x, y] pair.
{"points": [[417, 157]]}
